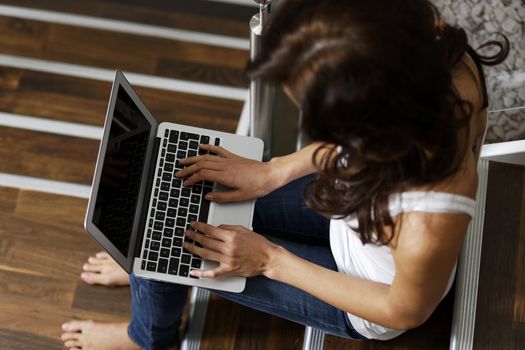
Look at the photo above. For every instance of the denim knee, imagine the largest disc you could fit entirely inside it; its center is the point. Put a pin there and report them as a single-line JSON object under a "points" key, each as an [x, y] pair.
{"points": [[156, 309]]}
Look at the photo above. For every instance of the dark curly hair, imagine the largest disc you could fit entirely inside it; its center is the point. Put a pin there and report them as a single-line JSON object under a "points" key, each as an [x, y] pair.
{"points": [[375, 79]]}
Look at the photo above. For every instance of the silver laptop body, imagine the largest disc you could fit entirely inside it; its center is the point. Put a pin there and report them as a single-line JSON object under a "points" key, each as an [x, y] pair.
{"points": [[137, 209]]}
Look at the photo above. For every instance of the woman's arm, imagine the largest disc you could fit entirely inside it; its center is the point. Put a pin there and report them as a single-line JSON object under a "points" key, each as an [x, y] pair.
{"points": [[427, 250], [424, 260], [247, 178]]}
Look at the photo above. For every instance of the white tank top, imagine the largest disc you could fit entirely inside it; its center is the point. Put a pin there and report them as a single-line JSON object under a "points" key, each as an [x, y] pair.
{"points": [[375, 263]]}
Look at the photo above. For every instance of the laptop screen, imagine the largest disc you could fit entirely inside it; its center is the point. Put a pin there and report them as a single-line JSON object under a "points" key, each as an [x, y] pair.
{"points": [[120, 180]]}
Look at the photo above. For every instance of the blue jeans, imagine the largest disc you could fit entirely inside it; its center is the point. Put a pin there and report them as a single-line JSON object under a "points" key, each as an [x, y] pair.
{"points": [[282, 215]]}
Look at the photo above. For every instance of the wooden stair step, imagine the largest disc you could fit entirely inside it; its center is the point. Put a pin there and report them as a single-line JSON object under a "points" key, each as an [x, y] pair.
{"points": [[196, 15], [48, 156], [85, 101], [113, 50]]}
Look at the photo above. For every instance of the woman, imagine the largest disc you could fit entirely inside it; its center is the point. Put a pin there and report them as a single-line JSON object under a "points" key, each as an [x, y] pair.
{"points": [[396, 103]]}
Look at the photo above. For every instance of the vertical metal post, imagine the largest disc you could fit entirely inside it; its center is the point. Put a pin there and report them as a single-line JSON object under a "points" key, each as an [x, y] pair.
{"points": [[197, 317], [313, 339], [261, 93]]}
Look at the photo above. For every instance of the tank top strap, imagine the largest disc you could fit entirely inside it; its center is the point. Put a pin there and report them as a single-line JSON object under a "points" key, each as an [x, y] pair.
{"points": [[434, 202]]}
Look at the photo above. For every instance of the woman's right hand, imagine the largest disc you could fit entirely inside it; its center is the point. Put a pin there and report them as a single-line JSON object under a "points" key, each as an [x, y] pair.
{"points": [[246, 178]]}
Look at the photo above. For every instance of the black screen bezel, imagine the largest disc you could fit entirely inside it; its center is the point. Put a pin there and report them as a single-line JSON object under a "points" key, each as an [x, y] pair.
{"points": [[126, 262]]}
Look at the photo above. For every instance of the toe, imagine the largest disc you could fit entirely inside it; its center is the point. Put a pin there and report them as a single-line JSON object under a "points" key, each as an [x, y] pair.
{"points": [[69, 336], [72, 344], [92, 267], [92, 278], [96, 261]]}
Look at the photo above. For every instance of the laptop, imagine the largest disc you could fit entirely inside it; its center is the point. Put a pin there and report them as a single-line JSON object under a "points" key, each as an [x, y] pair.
{"points": [[138, 210]]}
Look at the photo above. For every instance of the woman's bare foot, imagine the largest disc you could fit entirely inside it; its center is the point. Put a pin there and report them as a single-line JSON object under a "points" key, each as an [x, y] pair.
{"points": [[102, 269], [89, 335]]}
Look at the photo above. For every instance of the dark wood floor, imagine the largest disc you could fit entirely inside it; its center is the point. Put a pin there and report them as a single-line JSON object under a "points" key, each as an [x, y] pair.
{"points": [[42, 241]]}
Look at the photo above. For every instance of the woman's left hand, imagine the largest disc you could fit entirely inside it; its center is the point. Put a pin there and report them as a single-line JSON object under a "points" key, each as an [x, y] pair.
{"points": [[238, 251]]}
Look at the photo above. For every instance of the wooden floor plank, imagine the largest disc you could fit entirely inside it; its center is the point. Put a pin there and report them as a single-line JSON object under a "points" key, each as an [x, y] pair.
{"points": [[47, 156], [41, 318], [8, 197], [22, 340], [196, 15], [112, 50], [42, 248], [85, 101], [57, 291], [87, 298]]}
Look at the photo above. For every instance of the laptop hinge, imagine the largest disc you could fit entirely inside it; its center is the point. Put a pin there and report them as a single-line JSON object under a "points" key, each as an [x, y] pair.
{"points": [[147, 195]]}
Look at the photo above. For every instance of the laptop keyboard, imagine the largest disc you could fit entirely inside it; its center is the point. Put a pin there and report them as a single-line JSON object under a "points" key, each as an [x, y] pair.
{"points": [[174, 207]]}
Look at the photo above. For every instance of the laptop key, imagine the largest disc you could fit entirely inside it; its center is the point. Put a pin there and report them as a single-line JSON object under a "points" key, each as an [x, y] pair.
{"points": [[186, 192], [165, 186], [194, 145], [153, 256], [183, 211], [174, 136], [181, 221], [166, 242], [151, 266], [185, 259], [174, 266], [177, 242], [188, 136], [184, 270], [143, 266], [157, 235], [205, 208], [160, 216], [172, 148], [184, 201], [170, 222], [154, 245], [168, 167], [158, 225], [174, 203], [170, 157], [194, 209], [205, 139], [183, 145], [179, 231], [195, 199], [175, 251], [163, 196], [196, 263], [165, 253], [192, 153], [168, 232], [161, 205], [163, 265], [175, 192], [145, 254]]}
